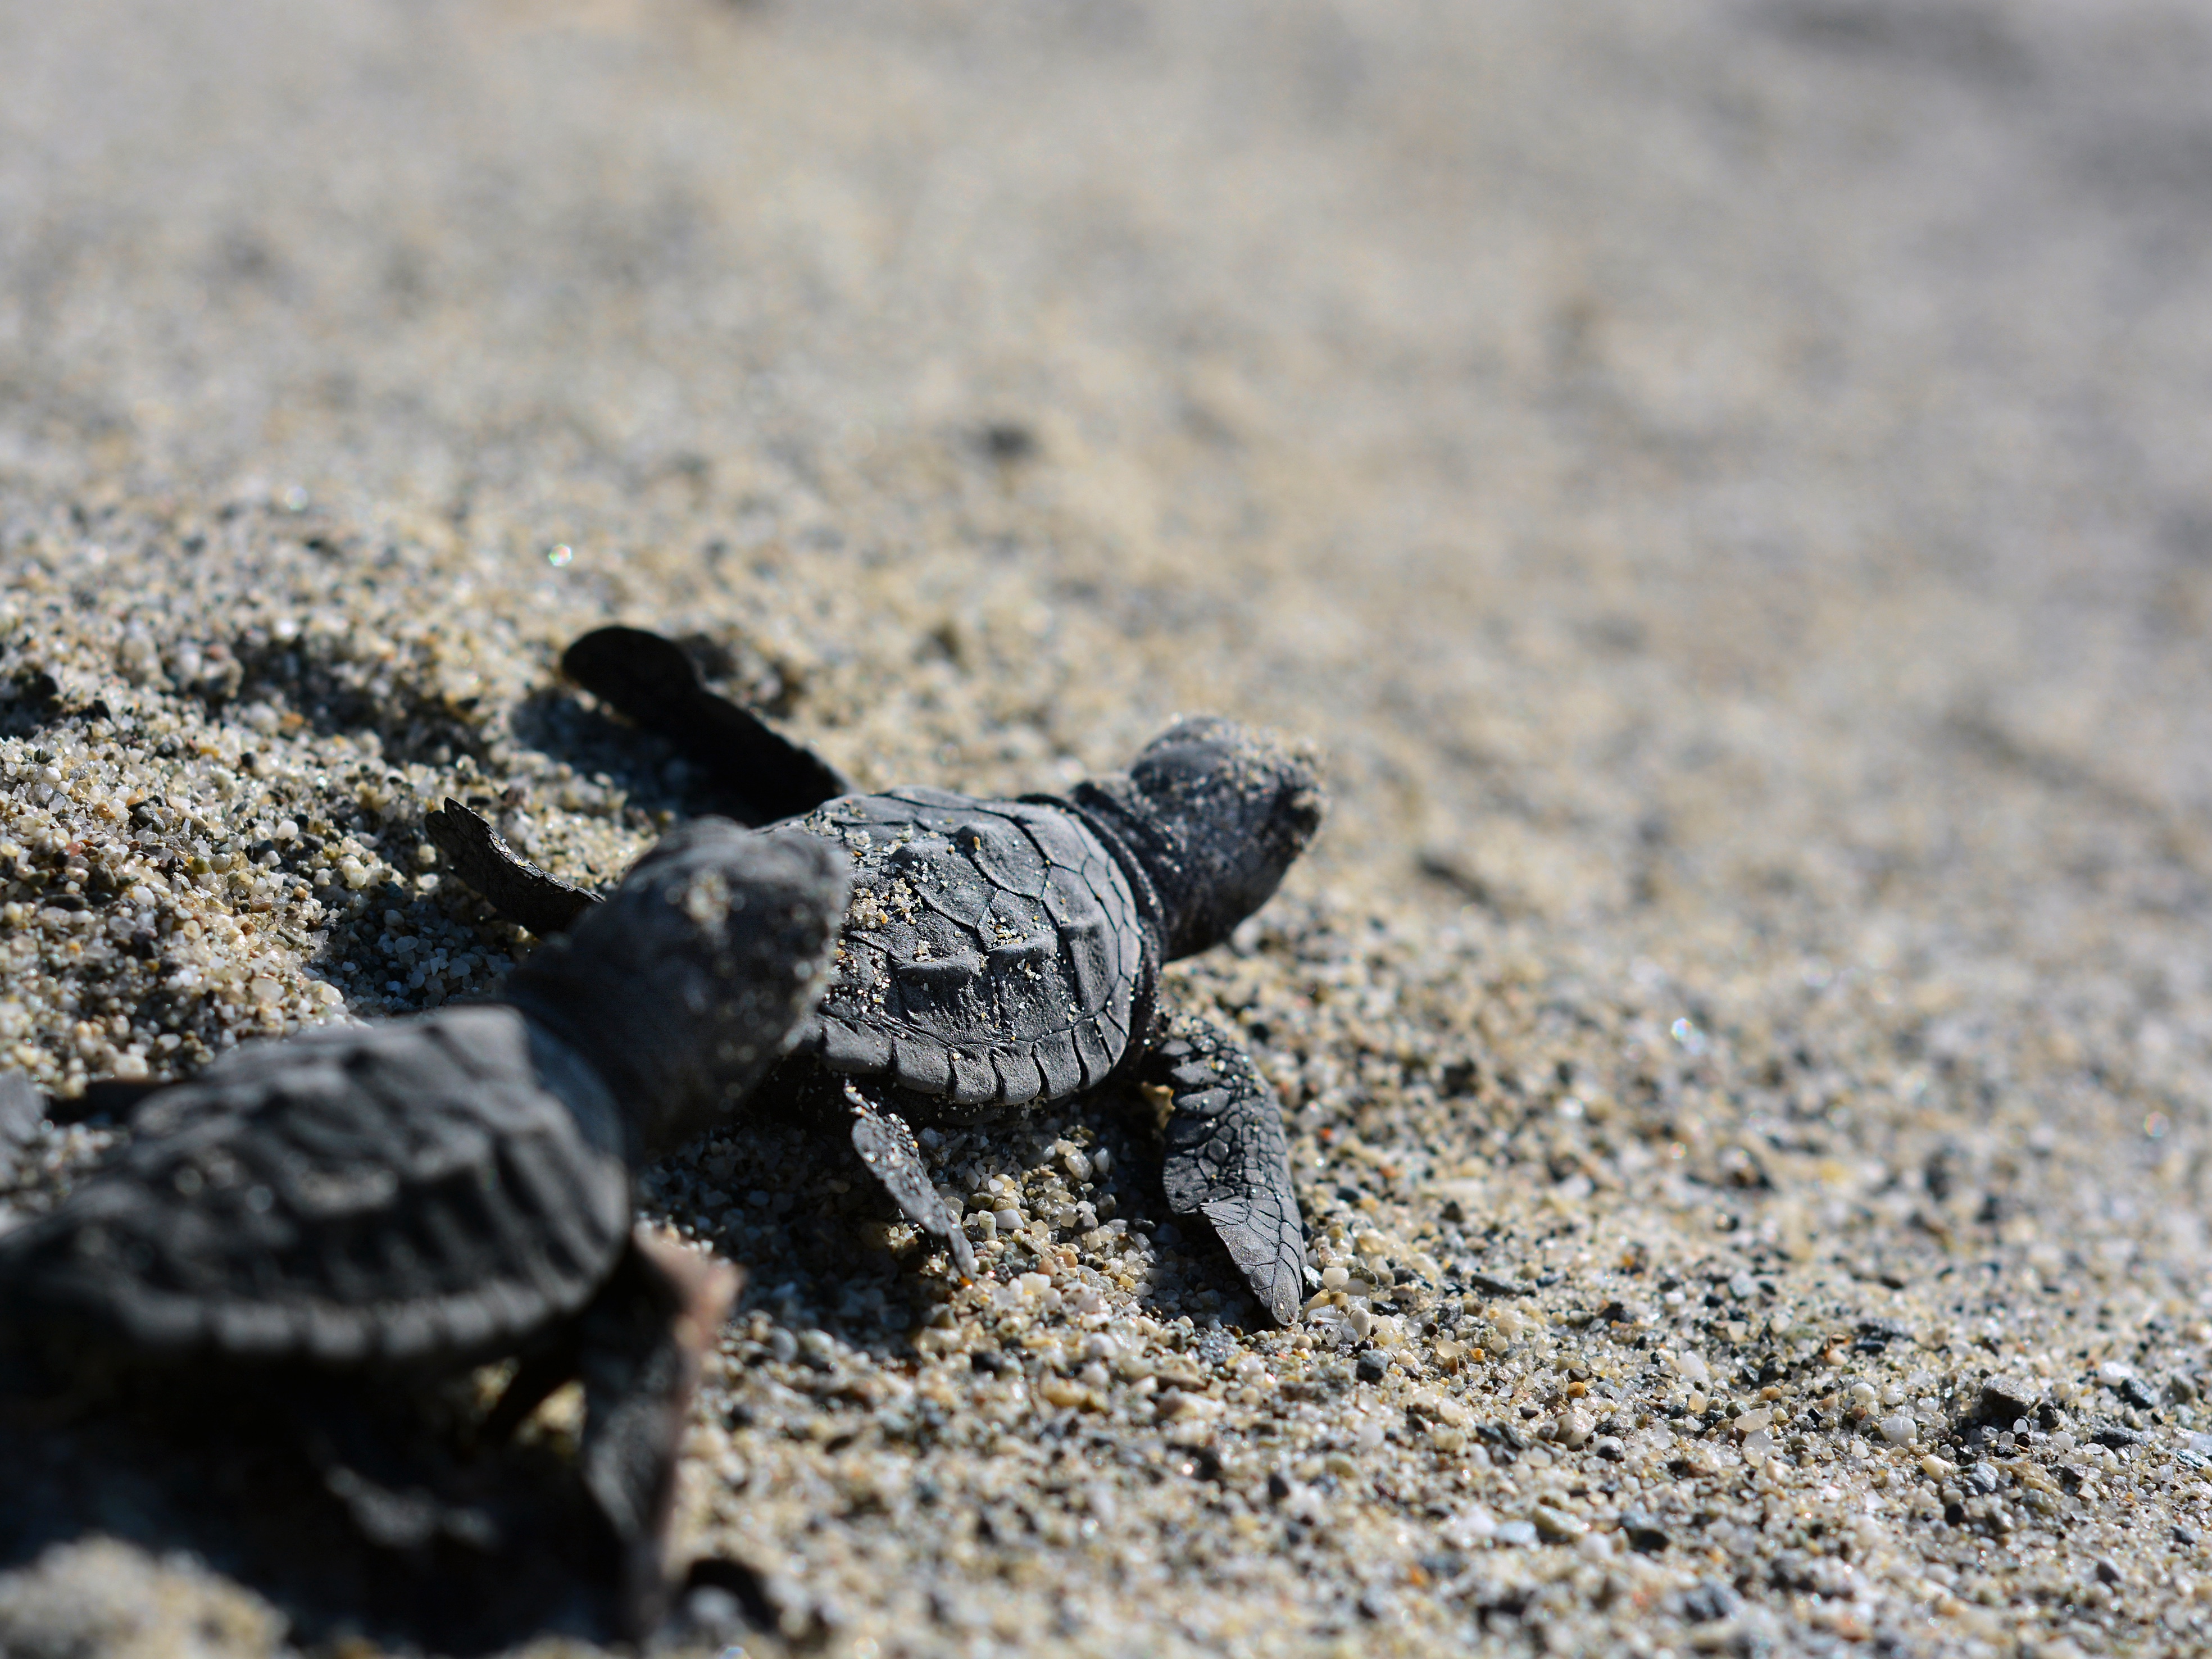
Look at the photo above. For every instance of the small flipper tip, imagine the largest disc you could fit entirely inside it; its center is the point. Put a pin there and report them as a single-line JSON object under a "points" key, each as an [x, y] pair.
{"points": [[888, 1154], [1268, 1246]]}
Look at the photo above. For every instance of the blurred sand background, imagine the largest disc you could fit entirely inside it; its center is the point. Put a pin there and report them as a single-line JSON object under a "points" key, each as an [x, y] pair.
{"points": [[1725, 483]]}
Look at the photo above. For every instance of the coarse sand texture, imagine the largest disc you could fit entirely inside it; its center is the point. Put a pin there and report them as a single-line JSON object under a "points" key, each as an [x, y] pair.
{"points": [[1720, 484]]}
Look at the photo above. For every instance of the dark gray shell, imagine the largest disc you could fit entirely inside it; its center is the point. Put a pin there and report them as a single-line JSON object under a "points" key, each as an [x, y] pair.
{"points": [[399, 1193], [992, 954]]}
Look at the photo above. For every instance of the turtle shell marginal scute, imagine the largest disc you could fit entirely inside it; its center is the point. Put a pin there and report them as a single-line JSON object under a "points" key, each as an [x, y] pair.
{"points": [[991, 955], [401, 1193]]}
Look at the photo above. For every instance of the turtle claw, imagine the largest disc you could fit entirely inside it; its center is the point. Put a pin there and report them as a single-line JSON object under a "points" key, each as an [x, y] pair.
{"points": [[502, 876], [887, 1152]]}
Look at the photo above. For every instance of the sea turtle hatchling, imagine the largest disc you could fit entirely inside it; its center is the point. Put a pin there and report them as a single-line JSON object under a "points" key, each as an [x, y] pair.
{"points": [[370, 1212], [999, 954]]}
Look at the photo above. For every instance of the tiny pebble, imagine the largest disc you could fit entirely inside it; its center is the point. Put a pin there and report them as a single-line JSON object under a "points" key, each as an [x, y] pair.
{"points": [[1556, 1524]]}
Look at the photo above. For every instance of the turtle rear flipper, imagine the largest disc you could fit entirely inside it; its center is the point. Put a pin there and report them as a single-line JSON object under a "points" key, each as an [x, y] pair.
{"points": [[887, 1152], [115, 1096], [502, 876], [653, 681], [642, 1344], [1227, 1159], [21, 1107]]}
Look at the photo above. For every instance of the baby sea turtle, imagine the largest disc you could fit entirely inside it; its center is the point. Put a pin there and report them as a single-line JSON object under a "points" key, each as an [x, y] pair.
{"points": [[372, 1212], [999, 954]]}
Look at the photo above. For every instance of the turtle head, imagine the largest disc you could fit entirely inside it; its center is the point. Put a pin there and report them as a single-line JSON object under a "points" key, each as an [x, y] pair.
{"points": [[694, 977], [1217, 811]]}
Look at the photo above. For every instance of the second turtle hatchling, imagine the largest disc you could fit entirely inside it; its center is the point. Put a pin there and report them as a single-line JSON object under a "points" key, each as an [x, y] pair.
{"points": [[998, 955], [365, 1214]]}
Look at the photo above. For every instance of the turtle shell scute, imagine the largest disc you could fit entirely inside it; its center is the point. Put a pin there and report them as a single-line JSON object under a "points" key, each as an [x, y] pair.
{"points": [[991, 954]]}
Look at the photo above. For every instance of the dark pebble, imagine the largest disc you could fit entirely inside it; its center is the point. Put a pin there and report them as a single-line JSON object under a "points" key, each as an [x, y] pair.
{"points": [[2136, 1393], [2006, 1399], [1707, 1603]]}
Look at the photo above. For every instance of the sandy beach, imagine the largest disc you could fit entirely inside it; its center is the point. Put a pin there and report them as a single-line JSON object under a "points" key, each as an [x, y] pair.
{"points": [[1724, 484]]}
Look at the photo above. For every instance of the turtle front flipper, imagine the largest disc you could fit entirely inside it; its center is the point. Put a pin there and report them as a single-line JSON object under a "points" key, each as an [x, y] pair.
{"points": [[893, 1160], [1226, 1157], [642, 1346], [651, 681], [502, 876]]}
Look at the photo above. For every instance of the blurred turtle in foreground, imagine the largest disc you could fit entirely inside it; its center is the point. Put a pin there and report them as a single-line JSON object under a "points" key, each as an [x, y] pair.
{"points": [[339, 1229], [998, 956]]}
